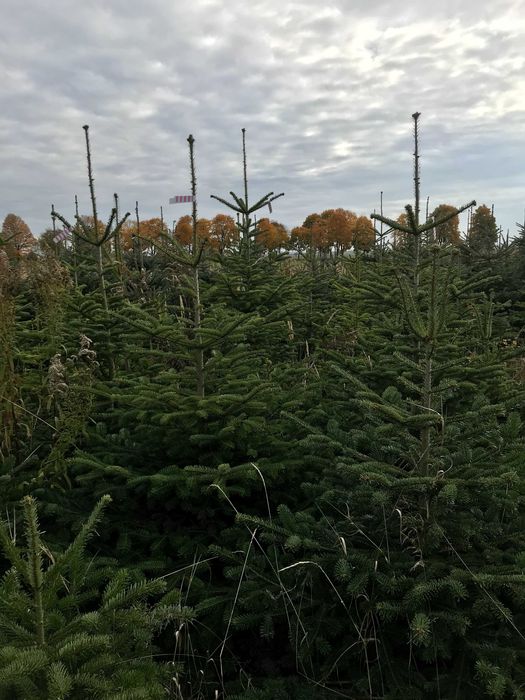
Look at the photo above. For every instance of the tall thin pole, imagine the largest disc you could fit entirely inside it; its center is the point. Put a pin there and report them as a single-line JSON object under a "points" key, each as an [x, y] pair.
{"points": [[431, 235], [381, 235], [75, 243], [199, 353], [193, 178], [417, 183], [97, 243], [139, 244], [245, 182], [95, 221], [245, 176], [116, 243], [91, 183]]}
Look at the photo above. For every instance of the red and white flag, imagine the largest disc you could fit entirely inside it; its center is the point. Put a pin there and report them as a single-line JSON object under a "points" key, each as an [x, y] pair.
{"points": [[62, 235], [182, 198]]}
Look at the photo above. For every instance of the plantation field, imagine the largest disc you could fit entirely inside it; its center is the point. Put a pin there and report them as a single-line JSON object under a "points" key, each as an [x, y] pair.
{"points": [[246, 463]]}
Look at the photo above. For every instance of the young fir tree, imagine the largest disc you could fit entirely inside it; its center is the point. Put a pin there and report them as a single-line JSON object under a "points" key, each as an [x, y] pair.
{"points": [[96, 237], [249, 278], [71, 627]]}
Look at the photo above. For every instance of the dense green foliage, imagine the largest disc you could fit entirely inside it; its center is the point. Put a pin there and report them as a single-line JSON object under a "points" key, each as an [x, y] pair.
{"points": [[315, 464], [63, 635]]}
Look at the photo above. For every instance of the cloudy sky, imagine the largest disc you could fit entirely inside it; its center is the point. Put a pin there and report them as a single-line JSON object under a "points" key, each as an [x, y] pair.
{"points": [[324, 91]]}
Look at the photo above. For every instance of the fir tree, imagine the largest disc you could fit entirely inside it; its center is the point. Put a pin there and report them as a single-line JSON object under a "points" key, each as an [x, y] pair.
{"points": [[72, 628]]}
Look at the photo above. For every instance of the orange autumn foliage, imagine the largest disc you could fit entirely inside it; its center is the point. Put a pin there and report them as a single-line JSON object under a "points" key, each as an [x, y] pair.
{"points": [[184, 231], [340, 226], [401, 237], [316, 231], [449, 231], [17, 236], [127, 234], [203, 229], [271, 234], [364, 233], [153, 229], [223, 233], [300, 237], [333, 228], [150, 231]]}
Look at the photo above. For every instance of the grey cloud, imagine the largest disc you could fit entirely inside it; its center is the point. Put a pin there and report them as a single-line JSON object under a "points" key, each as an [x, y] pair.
{"points": [[326, 95]]}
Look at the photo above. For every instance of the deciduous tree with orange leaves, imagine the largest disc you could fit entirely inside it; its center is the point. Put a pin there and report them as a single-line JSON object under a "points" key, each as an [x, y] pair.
{"points": [[483, 230], [204, 229], [184, 231], [224, 233], [447, 232], [127, 233], [364, 233], [340, 228], [400, 237], [271, 234], [332, 229], [300, 237], [318, 237], [151, 230], [281, 234], [17, 237]]}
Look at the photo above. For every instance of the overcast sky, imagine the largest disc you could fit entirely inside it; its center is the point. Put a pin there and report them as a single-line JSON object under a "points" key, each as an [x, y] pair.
{"points": [[325, 93]]}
